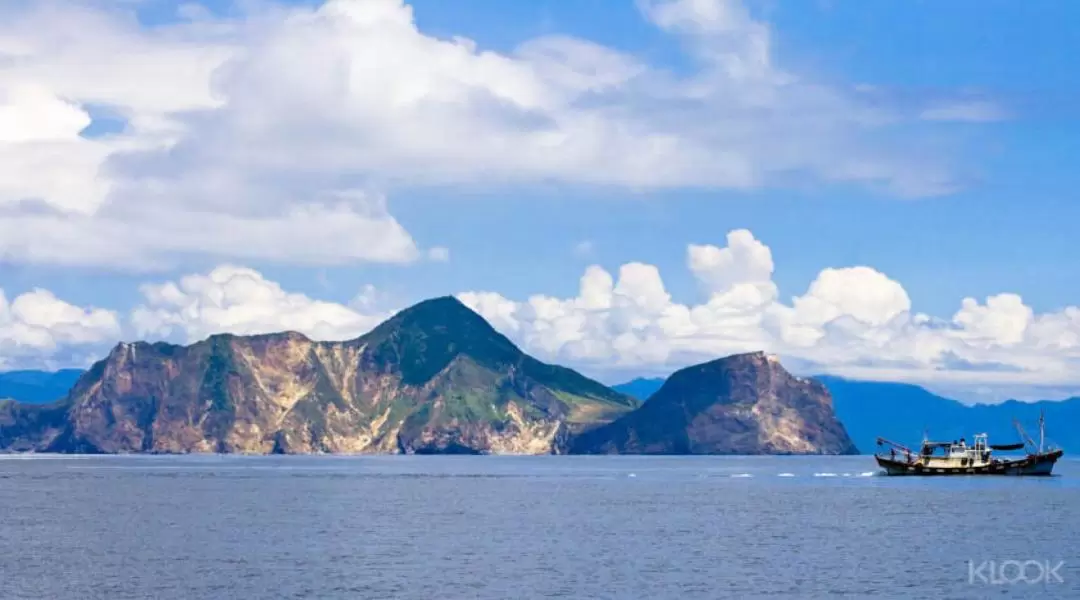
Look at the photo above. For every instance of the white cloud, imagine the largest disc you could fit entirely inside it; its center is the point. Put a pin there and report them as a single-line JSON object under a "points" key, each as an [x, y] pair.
{"points": [[39, 329], [1003, 320], [862, 294], [155, 237], [744, 260], [42, 153], [724, 33], [852, 321], [69, 200], [233, 125], [240, 300]]}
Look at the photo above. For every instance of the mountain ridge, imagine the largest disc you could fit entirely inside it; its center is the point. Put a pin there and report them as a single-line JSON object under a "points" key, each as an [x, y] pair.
{"points": [[37, 386], [433, 378], [902, 412]]}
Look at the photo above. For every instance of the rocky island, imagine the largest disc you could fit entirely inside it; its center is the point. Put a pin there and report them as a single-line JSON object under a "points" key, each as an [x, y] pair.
{"points": [[742, 404], [435, 378]]}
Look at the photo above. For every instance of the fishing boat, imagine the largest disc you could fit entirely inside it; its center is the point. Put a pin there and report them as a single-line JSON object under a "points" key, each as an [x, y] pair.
{"points": [[960, 458]]}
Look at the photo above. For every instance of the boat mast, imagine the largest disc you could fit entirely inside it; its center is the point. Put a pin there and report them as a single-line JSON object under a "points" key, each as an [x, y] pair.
{"points": [[1042, 430]]}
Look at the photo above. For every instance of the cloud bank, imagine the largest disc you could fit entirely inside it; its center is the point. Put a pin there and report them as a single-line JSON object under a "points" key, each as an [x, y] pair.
{"points": [[851, 321], [40, 330], [274, 134], [284, 123]]}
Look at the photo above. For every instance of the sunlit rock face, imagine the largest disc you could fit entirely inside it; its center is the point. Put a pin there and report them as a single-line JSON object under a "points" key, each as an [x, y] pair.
{"points": [[742, 404], [435, 378]]}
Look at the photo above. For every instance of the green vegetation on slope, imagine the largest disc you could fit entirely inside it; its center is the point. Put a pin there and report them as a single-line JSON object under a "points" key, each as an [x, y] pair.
{"points": [[219, 368]]}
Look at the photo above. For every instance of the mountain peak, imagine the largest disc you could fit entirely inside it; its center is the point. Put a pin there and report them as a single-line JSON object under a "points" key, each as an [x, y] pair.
{"points": [[425, 337], [742, 404], [443, 303], [759, 356], [445, 314], [759, 360], [436, 310]]}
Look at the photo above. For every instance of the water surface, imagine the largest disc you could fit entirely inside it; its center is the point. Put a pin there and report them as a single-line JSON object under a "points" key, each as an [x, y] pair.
{"points": [[521, 527]]}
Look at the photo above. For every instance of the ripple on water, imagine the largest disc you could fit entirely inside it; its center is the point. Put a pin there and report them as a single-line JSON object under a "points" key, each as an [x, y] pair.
{"points": [[493, 527]]}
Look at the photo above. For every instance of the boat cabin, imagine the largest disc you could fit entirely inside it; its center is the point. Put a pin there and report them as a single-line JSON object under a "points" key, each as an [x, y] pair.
{"points": [[956, 453]]}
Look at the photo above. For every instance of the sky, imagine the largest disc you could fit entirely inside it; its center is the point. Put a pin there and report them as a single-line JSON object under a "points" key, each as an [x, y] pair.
{"points": [[875, 190]]}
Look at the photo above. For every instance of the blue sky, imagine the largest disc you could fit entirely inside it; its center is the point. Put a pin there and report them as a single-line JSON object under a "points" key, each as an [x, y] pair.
{"points": [[993, 209]]}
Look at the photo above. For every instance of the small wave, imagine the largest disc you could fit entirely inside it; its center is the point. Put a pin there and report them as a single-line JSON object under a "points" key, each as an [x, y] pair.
{"points": [[632, 475], [825, 475], [785, 475], [866, 474], [741, 475]]}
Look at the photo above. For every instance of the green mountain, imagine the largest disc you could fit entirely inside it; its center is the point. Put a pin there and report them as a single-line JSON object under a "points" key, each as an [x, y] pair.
{"points": [[435, 378], [742, 404]]}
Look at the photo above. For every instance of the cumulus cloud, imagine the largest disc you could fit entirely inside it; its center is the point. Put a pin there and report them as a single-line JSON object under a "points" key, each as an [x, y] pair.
{"points": [[743, 260], [281, 120], [240, 300], [68, 198], [852, 321], [39, 329], [43, 155]]}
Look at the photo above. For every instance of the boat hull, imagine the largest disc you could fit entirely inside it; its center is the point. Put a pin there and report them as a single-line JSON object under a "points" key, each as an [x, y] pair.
{"points": [[1031, 465]]}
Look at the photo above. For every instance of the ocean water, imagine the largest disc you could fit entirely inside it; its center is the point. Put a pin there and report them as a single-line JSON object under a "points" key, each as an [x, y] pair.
{"points": [[527, 527]]}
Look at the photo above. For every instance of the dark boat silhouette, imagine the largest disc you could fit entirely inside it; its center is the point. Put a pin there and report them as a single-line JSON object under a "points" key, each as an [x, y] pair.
{"points": [[959, 458]]}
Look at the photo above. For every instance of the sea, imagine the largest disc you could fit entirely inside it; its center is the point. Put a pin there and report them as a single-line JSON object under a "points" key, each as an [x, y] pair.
{"points": [[435, 527]]}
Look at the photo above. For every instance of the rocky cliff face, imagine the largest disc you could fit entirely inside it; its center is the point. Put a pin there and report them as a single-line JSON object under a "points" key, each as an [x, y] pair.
{"points": [[436, 378], [742, 404], [26, 427]]}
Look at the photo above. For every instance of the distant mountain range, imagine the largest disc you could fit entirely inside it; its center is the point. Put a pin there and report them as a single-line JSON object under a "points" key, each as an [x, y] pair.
{"points": [[903, 413], [641, 388], [37, 386], [435, 378]]}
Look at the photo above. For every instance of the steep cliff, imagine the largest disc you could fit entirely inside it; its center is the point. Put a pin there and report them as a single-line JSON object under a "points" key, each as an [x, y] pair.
{"points": [[742, 404], [436, 378]]}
